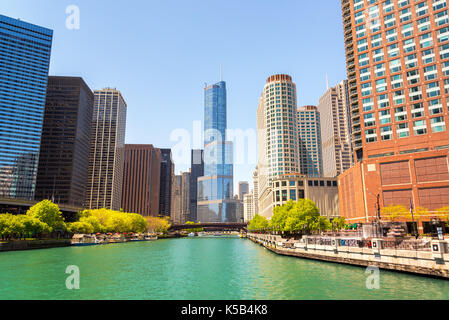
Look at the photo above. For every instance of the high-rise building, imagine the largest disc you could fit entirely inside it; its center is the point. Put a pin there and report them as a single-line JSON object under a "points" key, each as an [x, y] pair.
{"points": [[176, 199], [106, 161], [278, 138], [243, 189], [197, 170], [248, 207], [24, 59], [336, 130], [309, 131], [256, 190], [398, 62], [66, 134], [167, 174], [215, 188], [141, 179], [185, 196]]}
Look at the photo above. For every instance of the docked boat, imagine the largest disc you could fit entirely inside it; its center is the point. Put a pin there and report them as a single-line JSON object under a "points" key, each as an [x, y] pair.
{"points": [[150, 238], [191, 234], [83, 240]]}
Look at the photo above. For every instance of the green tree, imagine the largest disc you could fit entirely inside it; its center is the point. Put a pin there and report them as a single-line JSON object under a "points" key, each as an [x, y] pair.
{"points": [[11, 226], [339, 223], [136, 223], [280, 214], [33, 226], [258, 223], [303, 216], [49, 213], [157, 224]]}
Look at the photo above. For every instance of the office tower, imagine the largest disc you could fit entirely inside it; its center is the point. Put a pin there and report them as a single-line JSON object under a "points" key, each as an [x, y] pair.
{"points": [[215, 188], [105, 178], [167, 174], [256, 189], [335, 130], [197, 170], [309, 131], [66, 135], [243, 189], [248, 207], [398, 62], [185, 196], [277, 136], [176, 199], [24, 59], [141, 179]]}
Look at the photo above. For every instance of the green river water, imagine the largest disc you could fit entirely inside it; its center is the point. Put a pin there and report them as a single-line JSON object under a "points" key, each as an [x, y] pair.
{"points": [[215, 268]]}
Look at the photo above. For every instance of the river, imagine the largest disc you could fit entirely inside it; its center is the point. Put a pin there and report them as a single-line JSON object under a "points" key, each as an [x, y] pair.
{"points": [[215, 268]]}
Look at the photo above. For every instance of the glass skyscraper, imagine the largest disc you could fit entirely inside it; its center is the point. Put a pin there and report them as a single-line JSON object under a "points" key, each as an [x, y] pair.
{"points": [[24, 62], [215, 189]]}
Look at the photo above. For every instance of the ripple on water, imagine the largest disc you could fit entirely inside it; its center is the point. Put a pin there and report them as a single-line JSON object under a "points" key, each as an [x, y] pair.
{"points": [[197, 269]]}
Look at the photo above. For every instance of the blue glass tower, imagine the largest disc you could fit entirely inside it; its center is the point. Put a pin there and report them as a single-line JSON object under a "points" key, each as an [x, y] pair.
{"points": [[24, 62], [215, 189]]}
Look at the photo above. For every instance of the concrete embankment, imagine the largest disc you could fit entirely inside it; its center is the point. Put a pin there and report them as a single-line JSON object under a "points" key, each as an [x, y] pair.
{"points": [[433, 261], [33, 245]]}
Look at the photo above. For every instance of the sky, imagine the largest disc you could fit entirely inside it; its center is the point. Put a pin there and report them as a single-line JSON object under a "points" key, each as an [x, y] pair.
{"points": [[160, 54]]}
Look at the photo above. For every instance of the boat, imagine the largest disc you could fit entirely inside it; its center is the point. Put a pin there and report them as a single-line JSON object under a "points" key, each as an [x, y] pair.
{"points": [[83, 240], [150, 238], [217, 234], [191, 234], [202, 234]]}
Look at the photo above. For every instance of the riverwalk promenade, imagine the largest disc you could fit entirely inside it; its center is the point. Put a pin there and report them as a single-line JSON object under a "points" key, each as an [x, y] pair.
{"points": [[424, 257]]}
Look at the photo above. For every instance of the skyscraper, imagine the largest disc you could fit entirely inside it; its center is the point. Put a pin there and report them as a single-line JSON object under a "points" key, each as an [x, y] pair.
{"points": [[278, 138], [336, 130], [398, 62], [167, 175], [24, 59], [243, 189], [248, 207], [256, 189], [141, 179], [106, 157], [309, 131], [215, 188], [185, 195], [66, 135], [197, 170]]}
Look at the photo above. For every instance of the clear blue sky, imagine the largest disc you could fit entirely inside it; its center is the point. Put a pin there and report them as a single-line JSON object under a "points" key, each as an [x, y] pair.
{"points": [[160, 53]]}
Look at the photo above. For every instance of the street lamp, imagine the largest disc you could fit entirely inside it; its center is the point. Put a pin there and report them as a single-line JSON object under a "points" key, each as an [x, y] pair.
{"points": [[416, 233]]}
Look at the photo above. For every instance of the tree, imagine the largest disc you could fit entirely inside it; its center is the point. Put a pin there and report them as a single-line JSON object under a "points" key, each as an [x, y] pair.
{"points": [[304, 216], [49, 213], [95, 223], [157, 224], [393, 212], [11, 226], [338, 223], [280, 214], [418, 214], [443, 213], [136, 223], [33, 226], [258, 223], [81, 228]]}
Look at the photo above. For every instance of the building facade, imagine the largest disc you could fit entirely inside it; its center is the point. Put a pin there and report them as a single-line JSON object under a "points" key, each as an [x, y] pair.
{"points": [[336, 130], [185, 196], [176, 199], [309, 131], [322, 191], [66, 135], [249, 209], [256, 190], [278, 139], [398, 62], [106, 156], [197, 170], [25, 58], [141, 180], [167, 174], [215, 189], [243, 189]]}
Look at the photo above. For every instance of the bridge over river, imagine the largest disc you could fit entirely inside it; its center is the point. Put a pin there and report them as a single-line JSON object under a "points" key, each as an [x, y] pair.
{"points": [[218, 226]]}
